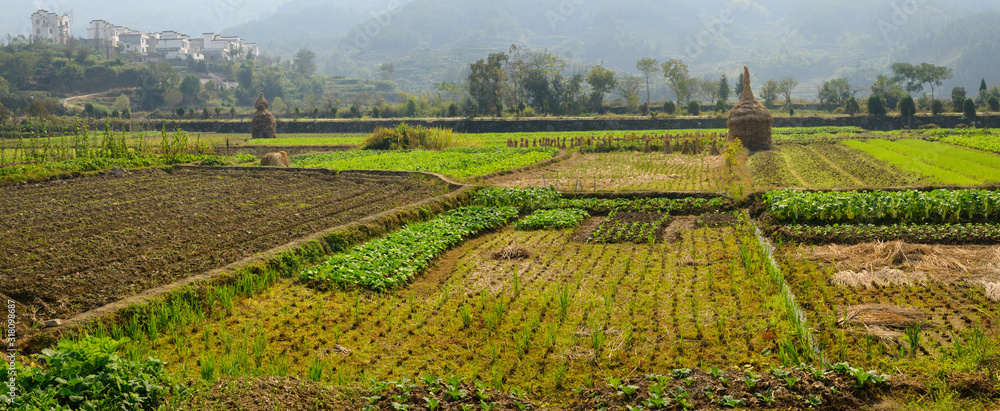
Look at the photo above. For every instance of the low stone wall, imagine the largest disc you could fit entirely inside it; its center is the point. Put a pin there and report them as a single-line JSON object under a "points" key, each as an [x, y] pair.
{"points": [[555, 124]]}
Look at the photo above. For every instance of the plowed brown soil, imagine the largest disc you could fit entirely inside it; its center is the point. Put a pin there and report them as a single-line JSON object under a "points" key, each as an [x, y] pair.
{"points": [[75, 245]]}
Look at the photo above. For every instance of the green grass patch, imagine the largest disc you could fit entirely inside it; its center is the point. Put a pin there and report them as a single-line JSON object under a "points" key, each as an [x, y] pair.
{"points": [[933, 170], [459, 162]]}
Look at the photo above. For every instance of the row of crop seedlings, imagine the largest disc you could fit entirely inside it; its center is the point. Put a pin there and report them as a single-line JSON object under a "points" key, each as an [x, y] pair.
{"points": [[395, 260], [695, 143], [952, 216]]}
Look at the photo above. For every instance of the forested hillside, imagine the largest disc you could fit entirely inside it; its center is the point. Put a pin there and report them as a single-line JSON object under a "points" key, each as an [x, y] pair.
{"points": [[811, 41]]}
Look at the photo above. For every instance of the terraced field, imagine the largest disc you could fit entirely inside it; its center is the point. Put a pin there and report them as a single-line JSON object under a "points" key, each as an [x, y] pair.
{"points": [[526, 298]]}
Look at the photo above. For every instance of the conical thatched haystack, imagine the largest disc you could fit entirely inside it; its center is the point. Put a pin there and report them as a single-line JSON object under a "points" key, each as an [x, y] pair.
{"points": [[263, 125], [750, 121]]}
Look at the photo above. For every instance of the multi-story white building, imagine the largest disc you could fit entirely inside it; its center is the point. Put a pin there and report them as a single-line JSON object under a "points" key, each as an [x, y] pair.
{"points": [[218, 48], [50, 26], [135, 42], [167, 45], [176, 46], [106, 34]]}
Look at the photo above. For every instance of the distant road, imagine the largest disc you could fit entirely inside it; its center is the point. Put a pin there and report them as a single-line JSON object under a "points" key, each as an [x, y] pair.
{"points": [[68, 101]]}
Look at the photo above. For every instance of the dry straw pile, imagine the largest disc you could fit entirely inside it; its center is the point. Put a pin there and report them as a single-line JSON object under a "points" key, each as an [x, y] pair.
{"points": [[750, 121], [263, 124]]}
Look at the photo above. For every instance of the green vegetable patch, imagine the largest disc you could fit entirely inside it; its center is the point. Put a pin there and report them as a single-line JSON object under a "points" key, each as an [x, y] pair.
{"points": [[393, 261]]}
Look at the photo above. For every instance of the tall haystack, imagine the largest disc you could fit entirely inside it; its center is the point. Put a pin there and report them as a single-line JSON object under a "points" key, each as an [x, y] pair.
{"points": [[263, 124], [750, 121]]}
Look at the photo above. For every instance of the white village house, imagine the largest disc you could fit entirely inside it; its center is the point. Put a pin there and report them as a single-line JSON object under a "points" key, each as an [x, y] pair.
{"points": [[166, 45], [51, 27]]}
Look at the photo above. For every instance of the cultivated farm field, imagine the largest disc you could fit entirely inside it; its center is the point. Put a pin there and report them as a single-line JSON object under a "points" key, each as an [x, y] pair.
{"points": [[695, 280], [76, 245]]}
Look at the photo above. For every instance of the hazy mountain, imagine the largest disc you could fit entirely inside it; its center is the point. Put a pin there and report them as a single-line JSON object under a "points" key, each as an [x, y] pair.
{"points": [[809, 40], [435, 40], [307, 19]]}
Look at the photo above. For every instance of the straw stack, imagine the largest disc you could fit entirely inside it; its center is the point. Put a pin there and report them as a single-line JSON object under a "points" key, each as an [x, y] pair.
{"points": [[750, 121]]}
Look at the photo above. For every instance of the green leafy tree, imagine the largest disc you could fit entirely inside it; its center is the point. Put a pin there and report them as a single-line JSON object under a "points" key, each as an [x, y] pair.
{"points": [[834, 92], [875, 107], [982, 86], [769, 92], [648, 66], [676, 72], [889, 90], [601, 81], [970, 110], [785, 87], [723, 89], [122, 103], [4, 87], [386, 71], [180, 112], [738, 86], [907, 108], [958, 95], [245, 76], [993, 103], [305, 62], [486, 78], [707, 90], [629, 87], [915, 77], [190, 87]]}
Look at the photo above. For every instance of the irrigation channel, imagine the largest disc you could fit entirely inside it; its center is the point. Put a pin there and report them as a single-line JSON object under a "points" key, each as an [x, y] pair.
{"points": [[794, 310]]}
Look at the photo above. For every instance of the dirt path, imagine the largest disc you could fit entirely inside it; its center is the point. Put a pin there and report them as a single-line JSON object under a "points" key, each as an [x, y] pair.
{"points": [[68, 101], [788, 165], [837, 167]]}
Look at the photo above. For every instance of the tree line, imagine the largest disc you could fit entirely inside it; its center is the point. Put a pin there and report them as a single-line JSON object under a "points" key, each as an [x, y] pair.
{"points": [[895, 92]]}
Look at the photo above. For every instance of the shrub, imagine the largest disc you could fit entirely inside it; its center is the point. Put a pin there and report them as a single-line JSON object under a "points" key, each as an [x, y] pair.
{"points": [[937, 107], [694, 108], [907, 108], [994, 104], [405, 137], [720, 106], [958, 103], [669, 107], [970, 110], [875, 107]]}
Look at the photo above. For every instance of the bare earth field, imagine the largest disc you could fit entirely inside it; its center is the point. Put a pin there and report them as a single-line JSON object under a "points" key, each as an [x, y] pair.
{"points": [[75, 245]]}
